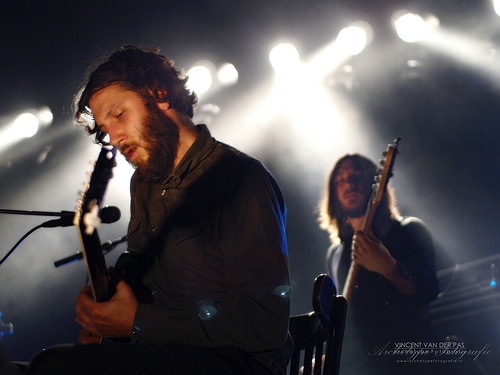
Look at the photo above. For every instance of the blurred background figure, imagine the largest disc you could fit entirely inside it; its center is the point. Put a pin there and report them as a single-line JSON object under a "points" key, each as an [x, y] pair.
{"points": [[397, 277]]}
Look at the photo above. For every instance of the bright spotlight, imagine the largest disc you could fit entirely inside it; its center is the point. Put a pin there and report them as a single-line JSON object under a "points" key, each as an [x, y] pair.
{"points": [[352, 40], [284, 57], [45, 116], [26, 125], [227, 74], [200, 79], [496, 6], [411, 27]]}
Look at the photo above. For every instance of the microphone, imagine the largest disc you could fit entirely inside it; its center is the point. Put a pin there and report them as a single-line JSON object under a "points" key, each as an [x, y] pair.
{"points": [[108, 215], [106, 247], [110, 245]]}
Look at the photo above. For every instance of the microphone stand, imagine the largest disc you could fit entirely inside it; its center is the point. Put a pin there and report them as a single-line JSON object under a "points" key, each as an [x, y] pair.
{"points": [[31, 213], [108, 245], [8, 328], [106, 248]]}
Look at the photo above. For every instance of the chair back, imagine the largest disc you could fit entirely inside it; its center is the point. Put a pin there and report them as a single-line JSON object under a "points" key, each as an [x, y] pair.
{"points": [[318, 335]]}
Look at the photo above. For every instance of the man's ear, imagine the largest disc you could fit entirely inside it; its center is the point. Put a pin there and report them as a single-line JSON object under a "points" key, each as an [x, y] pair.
{"points": [[160, 97], [163, 105]]}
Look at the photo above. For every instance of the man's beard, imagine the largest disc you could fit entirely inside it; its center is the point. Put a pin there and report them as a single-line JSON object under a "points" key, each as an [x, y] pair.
{"points": [[357, 211], [162, 138]]}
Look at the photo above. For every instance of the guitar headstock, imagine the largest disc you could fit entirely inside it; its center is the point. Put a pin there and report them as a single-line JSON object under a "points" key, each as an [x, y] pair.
{"points": [[385, 172], [380, 182], [93, 190]]}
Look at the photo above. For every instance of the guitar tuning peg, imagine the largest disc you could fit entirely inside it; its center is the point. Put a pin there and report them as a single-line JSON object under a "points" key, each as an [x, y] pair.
{"points": [[81, 195]]}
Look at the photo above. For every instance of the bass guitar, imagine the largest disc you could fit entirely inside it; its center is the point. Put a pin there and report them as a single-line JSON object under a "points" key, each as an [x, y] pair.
{"points": [[379, 186]]}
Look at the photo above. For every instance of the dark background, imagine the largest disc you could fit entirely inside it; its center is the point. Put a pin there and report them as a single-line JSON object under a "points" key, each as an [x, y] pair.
{"points": [[446, 111]]}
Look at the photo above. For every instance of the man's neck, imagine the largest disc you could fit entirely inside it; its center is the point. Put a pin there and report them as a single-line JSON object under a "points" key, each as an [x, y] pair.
{"points": [[188, 132], [356, 222]]}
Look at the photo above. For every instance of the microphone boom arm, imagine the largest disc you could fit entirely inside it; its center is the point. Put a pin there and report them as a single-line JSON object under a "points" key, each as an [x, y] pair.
{"points": [[110, 214], [34, 213]]}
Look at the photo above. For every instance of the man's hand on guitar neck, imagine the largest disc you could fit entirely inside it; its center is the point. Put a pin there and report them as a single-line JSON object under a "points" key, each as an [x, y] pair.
{"points": [[110, 319], [370, 253]]}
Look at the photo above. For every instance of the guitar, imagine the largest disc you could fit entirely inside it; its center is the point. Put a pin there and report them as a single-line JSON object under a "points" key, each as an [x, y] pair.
{"points": [[87, 220], [380, 183]]}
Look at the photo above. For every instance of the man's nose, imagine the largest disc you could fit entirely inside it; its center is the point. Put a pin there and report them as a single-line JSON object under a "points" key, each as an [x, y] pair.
{"points": [[353, 180], [113, 137]]}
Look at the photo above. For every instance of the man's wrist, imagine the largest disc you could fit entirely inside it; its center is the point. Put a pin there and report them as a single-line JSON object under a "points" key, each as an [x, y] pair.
{"points": [[392, 270]]}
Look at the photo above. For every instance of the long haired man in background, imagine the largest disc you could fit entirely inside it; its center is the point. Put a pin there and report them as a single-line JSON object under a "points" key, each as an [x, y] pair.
{"points": [[397, 277]]}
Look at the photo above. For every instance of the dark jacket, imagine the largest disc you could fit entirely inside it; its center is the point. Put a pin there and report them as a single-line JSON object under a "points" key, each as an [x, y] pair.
{"points": [[209, 244]]}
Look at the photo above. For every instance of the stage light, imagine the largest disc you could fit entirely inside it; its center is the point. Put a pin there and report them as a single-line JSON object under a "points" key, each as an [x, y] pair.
{"points": [[200, 78], [26, 125], [45, 116], [352, 40], [227, 74], [410, 27], [284, 57], [496, 6]]}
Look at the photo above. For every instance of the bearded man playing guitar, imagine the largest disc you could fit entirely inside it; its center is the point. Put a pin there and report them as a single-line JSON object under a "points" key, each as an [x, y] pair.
{"points": [[397, 275], [206, 240]]}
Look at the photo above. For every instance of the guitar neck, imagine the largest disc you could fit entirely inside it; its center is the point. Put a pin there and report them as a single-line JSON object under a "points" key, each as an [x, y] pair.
{"points": [[370, 215], [96, 265], [86, 220], [379, 188]]}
